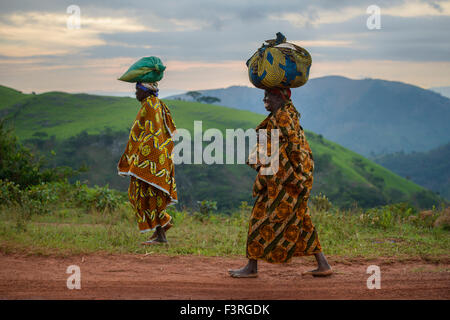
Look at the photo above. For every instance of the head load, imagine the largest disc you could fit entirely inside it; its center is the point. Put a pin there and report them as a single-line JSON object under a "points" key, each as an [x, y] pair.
{"points": [[145, 70], [279, 64]]}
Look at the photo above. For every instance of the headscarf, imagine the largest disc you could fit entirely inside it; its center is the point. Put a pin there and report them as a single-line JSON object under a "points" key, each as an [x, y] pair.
{"points": [[285, 93], [151, 87]]}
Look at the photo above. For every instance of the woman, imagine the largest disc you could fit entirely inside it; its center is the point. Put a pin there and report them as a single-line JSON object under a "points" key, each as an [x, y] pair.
{"points": [[280, 225], [148, 161]]}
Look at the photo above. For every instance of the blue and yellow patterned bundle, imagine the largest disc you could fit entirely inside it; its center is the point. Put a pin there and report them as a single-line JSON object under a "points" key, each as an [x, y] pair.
{"points": [[279, 64]]}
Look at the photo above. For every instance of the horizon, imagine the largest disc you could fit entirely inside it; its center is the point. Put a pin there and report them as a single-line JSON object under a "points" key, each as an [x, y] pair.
{"points": [[164, 94]]}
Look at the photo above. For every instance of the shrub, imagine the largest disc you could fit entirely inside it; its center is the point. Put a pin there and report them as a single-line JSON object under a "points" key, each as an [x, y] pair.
{"points": [[10, 193], [320, 202], [98, 198], [177, 216], [23, 203], [387, 216], [205, 209], [106, 199], [20, 165], [443, 220], [38, 199]]}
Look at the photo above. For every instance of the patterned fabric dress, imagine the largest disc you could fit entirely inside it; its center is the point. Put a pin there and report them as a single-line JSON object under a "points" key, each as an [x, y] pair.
{"points": [[148, 160], [280, 225]]}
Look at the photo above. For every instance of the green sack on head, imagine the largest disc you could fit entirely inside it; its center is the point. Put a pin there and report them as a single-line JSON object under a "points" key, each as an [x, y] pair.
{"points": [[148, 69], [279, 64]]}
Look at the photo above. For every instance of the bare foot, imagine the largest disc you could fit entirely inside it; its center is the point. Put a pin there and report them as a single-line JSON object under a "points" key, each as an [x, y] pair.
{"points": [[249, 271], [319, 272], [154, 241], [323, 270], [155, 234]]}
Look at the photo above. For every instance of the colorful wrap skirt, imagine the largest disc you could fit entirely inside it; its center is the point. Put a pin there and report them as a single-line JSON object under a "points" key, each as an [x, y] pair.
{"points": [[277, 233], [280, 224], [149, 204]]}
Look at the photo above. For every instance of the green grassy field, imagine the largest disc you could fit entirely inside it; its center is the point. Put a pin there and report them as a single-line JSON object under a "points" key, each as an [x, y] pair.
{"points": [[347, 234]]}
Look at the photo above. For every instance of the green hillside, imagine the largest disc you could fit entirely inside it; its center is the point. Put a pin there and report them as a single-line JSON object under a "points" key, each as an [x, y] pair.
{"points": [[9, 97], [429, 169], [93, 130], [65, 115]]}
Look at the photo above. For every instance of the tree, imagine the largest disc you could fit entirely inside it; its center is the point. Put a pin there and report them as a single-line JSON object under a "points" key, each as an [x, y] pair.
{"points": [[208, 99], [194, 95]]}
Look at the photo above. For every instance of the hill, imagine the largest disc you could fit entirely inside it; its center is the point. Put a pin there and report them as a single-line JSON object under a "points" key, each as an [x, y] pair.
{"points": [[93, 130], [9, 98], [370, 116], [445, 91], [65, 115], [429, 169]]}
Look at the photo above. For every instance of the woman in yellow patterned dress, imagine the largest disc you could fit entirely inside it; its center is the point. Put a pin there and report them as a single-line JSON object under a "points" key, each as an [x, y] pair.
{"points": [[280, 226], [148, 161]]}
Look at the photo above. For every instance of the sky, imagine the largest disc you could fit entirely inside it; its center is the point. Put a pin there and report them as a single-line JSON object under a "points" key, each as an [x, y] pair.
{"points": [[205, 44]]}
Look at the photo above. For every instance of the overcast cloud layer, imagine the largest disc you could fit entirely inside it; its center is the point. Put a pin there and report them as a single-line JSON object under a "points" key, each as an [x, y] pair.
{"points": [[205, 44]]}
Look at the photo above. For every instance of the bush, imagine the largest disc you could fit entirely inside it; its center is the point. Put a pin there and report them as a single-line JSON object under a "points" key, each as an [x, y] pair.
{"points": [[205, 209], [44, 193], [389, 215], [24, 203], [443, 220], [20, 165], [320, 202], [98, 198], [10, 193], [41, 199], [106, 199], [177, 216]]}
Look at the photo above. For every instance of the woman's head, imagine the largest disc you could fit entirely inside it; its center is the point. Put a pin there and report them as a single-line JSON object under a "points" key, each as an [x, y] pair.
{"points": [[143, 90], [276, 98]]}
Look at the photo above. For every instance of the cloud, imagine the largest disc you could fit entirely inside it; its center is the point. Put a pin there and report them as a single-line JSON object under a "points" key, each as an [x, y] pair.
{"points": [[423, 74], [205, 43], [36, 33], [315, 16], [418, 9], [323, 43]]}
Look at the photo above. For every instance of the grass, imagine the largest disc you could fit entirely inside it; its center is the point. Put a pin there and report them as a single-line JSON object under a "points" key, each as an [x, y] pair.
{"points": [[67, 231], [65, 115], [10, 96], [73, 231]]}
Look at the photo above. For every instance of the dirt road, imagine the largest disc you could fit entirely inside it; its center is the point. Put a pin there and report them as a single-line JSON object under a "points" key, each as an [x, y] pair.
{"points": [[197, 277]]}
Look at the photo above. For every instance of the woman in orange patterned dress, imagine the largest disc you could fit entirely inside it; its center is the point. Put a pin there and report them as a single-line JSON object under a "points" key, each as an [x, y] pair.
{"points": [[280, 225], [148, 161]]}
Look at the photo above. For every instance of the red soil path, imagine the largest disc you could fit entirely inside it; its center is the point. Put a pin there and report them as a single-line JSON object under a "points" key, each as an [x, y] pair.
{"points": [[197, 277]]}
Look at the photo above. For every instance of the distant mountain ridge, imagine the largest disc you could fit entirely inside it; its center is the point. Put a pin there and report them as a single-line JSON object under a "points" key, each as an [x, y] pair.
{"points": [[445, 91], [369, 116], [429, 169]]}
